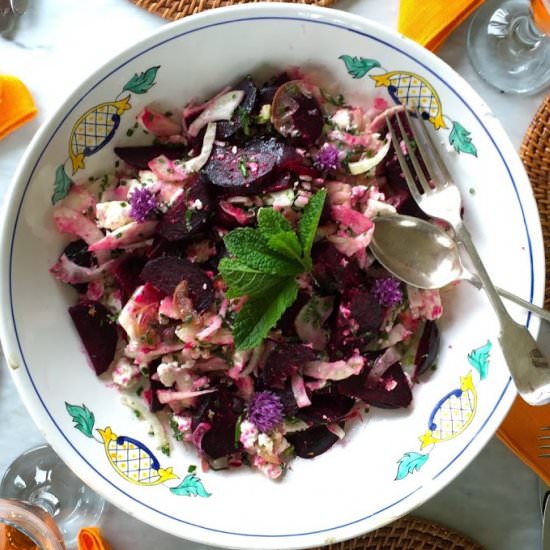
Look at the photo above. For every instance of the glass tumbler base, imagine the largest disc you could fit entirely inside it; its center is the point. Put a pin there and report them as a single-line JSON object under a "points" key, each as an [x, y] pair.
{"points": [[506, 50], [40, 477]]}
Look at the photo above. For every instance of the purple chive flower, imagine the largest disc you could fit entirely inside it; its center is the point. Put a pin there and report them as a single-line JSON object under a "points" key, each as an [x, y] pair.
{"points": [[387, 291], [143, 202], [327, 158], [265, 410]]}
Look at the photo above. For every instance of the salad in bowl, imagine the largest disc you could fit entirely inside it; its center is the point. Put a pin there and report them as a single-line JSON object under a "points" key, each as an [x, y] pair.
{"points": [[224, 276]]}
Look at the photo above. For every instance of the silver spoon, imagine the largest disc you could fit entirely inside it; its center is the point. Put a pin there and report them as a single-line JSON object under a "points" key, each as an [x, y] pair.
{"points": [[423, 255]]}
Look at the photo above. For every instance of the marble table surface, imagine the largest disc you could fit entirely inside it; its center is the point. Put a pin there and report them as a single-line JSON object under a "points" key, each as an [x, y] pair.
{"points": [[57, 43]]}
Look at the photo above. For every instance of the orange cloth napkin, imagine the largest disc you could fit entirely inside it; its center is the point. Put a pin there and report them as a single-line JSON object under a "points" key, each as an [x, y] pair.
{"points": [[89, 538], [429, 22], [520, 431], [16, 104]]}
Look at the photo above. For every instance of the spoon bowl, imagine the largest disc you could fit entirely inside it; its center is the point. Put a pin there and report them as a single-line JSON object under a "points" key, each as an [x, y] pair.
{"points": [[416, 251], [422, 255]]}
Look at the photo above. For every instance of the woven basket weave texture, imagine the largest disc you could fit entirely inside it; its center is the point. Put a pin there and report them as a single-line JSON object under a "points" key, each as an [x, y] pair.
{"points": [[409, 533], [176, 9], [535, 154]]}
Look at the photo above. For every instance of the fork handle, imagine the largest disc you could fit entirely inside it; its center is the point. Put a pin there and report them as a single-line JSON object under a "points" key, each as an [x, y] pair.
{"points": [[528, 367]]}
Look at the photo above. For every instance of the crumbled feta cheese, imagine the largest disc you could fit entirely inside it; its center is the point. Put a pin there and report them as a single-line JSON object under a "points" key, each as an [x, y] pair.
{"points": [[125, 374], [167, 373], [249, 434], [113, 214]]}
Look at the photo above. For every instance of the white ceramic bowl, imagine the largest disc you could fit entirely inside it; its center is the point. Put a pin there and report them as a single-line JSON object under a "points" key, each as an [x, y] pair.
{"points": [[395, 460]]}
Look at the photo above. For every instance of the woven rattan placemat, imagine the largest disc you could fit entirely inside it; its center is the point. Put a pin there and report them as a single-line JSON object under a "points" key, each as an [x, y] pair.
{"points": [[176, 9], [409, 533], [535, 154]]}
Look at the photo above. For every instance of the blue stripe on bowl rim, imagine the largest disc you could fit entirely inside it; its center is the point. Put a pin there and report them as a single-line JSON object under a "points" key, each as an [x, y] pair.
{"points": [[241, 20]]}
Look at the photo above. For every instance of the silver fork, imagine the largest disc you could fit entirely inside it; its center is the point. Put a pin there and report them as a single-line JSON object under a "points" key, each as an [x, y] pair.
{"points": [[439, 197]]}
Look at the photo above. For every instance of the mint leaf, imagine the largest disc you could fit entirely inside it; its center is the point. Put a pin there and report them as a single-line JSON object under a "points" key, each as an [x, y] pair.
{"points": [[307, 225], [243, 280], [271, 223], [250, 248], [287, 244], [261, 313]]}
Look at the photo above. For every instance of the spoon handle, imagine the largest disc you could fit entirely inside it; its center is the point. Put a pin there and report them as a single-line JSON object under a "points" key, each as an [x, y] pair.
{"points": [[542, 313], [529, 368]]}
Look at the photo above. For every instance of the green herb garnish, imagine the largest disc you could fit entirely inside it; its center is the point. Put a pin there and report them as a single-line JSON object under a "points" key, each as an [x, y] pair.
{"points": [[264, 264]]}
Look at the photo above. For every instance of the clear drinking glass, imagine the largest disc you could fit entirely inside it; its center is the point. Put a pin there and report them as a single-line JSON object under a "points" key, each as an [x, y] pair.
{"points": [[47, 497], [509, 44]]}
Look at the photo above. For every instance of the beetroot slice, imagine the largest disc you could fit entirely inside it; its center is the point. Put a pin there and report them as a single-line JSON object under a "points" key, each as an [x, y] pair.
{"points": [[326, 408], [332, 270], [283, 362], [154, 384], [189, 213], [226, 128], [295, 112], [354, 324], [312, 442], [97, 331], [166, 272], [248, 169], [428, 349], [391, 391], [77, 251], [127, 273], [139, 156], [222, 414]]}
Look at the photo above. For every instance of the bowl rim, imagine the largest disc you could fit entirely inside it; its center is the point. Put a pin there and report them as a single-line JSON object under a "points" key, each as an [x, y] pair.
{"points": [[262, 10]]}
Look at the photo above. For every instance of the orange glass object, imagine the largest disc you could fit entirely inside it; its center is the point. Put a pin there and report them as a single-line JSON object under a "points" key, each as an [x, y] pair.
{"points": [[13, 539], [541, 15]]}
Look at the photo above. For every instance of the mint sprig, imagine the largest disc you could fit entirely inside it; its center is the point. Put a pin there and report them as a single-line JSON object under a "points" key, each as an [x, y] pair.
{"points": [[263, 265]]}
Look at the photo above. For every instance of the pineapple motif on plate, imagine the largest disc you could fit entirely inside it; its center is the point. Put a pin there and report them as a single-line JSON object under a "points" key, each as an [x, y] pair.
{"points": [[96, 128]]}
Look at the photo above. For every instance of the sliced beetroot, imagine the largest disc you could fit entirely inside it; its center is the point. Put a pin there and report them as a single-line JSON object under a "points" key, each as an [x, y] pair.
{"points": [[98, 332], [428, 349], [286, 322], [244, 169], [139, 156], [77, 251], [365, 310], [332, 270], [296, 114], [290, 407], [167, 272], [189, 213], [354, 324], [127, 274], [312, 442], [154, 384], [222, 414], [268, 90], [391, 391], [284, 361], [226, 128], [326, 408]]}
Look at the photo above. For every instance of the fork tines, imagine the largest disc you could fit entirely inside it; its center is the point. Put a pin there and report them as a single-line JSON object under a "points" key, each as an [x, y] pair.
{"points": [[420, 166]]}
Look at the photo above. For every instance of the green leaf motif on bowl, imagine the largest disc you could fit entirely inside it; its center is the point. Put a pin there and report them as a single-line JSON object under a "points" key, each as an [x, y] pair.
{"points": [[417, 94]]}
